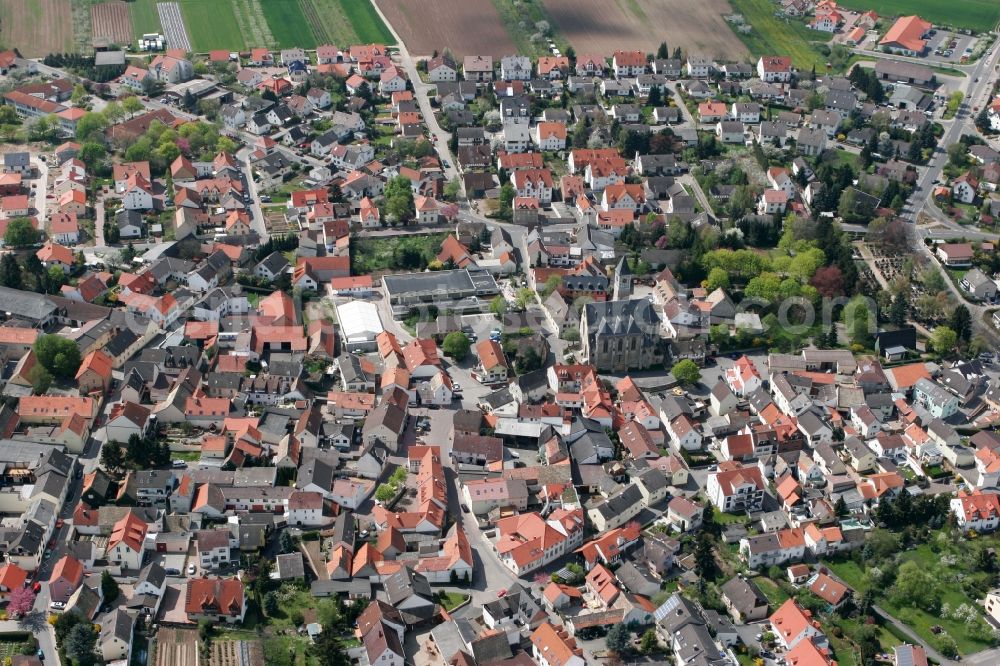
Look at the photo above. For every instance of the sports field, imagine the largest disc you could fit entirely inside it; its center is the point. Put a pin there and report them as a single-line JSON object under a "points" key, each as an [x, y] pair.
{"points": [[978, 15], [242, 24]]}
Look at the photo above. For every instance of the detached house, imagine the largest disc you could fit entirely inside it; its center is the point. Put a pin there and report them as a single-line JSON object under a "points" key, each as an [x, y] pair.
{"points": [[775, 69], [736, 489]]}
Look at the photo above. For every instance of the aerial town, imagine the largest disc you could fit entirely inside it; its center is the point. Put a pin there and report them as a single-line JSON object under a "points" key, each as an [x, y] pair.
{"points": [[331, 356]]}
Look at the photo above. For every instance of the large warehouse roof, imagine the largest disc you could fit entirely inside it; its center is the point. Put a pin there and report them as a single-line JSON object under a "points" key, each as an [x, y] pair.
{"points": [[359, 321]]}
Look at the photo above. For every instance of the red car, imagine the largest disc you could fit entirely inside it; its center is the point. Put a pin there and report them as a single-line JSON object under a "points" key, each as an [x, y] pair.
{"points": [[60, 523], [37, 587], [502, 593]]}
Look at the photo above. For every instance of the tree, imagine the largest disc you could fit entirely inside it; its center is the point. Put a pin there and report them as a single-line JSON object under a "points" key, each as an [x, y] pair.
{"points": [[898, 308], [452, 189], [655, 98], [917, 587], [270, 604], [79, 644], [132, 105], [40, 378], [943, 340], [551, 284], [525, 297], [840, 508], [90, 125], [456, 345], [617, 639], [649, 643], [58, 355], [829, 281], [384, 492], [983, 120], [22, 600], [20, 233], [10, 272], [528, 361], [686, 372], [498, 305], [961, 323], [858, 320], [285, 542], [766, 286], [112, 457], [704, 556], [327, 650], [662, 52], [717, 279], [399, 199], [109, 587], [92, 154], [507, 194]]}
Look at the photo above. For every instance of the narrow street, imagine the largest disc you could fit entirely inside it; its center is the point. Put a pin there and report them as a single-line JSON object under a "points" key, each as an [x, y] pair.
{"points": [[41, 191], [423, 92], [691, 184], [99, 221]]}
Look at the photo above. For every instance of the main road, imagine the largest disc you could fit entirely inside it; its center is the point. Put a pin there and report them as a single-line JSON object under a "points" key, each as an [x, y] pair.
{"points": [[976, 89]]}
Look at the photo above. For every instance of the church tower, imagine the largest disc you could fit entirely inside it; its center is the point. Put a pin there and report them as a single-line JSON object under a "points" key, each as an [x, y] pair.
{"points": [[623, 281]]}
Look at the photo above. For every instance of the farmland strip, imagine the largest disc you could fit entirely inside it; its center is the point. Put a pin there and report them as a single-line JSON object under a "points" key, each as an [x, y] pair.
{"points": [[315, 22], [250, 17], [173, 25]]}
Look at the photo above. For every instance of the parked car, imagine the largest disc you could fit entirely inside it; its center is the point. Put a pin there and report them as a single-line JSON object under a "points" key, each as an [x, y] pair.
{"points": [[192, 570], [57, 606]]}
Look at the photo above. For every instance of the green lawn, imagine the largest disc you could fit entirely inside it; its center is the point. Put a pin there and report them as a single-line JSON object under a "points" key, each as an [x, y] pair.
{"points": [[916, 619], [978, 15], [772, 35], [288, 24], [450, 600], [347, 22], [848, 571], [144, 17], [775, 595]]}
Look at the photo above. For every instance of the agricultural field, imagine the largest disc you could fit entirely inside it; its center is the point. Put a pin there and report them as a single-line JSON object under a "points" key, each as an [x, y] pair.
{"points": [[977, 15], [144, 17], [111, 21], [469, 27], [253, 25], [288, 24], [36, 27], [276, 24], [771, 35], [173, 25], [595, 26]]}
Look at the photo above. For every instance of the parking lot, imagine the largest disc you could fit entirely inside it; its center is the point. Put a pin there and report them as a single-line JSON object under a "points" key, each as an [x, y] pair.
{"points": [[945, 46]]}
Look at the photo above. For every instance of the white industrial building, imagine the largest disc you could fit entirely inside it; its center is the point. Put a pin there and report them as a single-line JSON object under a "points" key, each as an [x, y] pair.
{"points": [[360, 324]]}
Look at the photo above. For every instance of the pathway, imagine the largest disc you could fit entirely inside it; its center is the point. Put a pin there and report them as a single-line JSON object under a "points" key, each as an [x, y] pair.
{"points": [[931, 652]]}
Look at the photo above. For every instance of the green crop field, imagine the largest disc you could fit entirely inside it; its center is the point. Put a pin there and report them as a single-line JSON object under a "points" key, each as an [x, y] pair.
{"points": [[144, 17], [211, 24], [772, 35], [349, 22], [288, 24], [978, 15], [215, 24]]}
